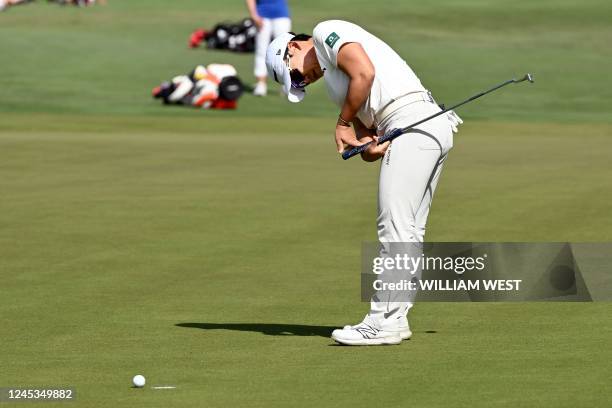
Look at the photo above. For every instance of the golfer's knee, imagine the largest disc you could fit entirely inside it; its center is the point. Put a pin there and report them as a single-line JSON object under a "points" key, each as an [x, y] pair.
{"points": [[394, 227]]}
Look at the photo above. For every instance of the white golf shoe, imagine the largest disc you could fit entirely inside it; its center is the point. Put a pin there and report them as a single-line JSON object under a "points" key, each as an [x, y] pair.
{"points": [[399, 325], [369, 333], [261, 89]]}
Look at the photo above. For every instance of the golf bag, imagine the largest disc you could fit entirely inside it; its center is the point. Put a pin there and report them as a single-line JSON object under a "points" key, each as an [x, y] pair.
{"points": [[80, 3], [237, 37], [214, 87]]}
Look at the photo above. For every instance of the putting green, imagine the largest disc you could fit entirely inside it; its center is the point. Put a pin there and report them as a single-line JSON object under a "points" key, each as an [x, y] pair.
{"points": [[216, 251]]}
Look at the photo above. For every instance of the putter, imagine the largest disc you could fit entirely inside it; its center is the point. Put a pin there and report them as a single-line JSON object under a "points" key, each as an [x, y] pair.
{"points": [[393, 133]]}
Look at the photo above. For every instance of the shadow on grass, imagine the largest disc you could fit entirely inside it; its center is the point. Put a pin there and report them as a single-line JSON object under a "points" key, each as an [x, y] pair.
{"points": [[270, 329]]}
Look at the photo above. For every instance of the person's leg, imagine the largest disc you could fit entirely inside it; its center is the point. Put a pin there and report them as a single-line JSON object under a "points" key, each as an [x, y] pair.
{"points": [[444, 134], [275, 27], [262, 40], [280, 26], [409, 175], [405, 171], [423, 211]]}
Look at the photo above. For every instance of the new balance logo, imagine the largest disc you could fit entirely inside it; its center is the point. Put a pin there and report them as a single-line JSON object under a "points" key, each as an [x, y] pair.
{"points": [[367, 332]]}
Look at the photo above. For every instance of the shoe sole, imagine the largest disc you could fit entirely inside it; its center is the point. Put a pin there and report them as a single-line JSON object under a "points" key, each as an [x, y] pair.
{"points": [[404, 334], [386, 341]]}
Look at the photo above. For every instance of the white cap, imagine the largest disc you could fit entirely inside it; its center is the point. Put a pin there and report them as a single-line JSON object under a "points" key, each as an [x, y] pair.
{"points": [[278, 69]]}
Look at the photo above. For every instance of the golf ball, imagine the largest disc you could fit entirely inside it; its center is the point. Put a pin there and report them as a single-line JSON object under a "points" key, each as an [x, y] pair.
{"points": [[138, 381]]}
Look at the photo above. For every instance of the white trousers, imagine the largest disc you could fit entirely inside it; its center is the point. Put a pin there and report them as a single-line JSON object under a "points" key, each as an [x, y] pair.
{"points": [[272, 27], [409, 174]]}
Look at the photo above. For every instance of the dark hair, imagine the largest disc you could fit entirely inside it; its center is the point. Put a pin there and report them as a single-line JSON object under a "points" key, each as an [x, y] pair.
{"points": [[296, 37], [300, 37]]}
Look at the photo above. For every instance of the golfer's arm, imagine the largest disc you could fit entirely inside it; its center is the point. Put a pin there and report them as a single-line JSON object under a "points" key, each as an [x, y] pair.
{"points": [[364, 134], [252, 7], [355, 63]]}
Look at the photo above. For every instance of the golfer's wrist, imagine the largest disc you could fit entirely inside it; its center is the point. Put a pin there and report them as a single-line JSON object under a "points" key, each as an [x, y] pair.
{"points": [[342, 122]]}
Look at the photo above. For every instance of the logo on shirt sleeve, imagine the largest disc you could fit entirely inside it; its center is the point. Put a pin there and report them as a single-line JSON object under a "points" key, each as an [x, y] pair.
{"points": [[332, 39]]}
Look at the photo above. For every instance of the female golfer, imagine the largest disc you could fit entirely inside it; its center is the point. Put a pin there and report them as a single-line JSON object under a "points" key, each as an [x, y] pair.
{"points": [[376, 91]]}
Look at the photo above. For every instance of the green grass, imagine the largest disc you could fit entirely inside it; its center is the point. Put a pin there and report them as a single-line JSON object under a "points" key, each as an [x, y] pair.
{"points": [[215, 251]]}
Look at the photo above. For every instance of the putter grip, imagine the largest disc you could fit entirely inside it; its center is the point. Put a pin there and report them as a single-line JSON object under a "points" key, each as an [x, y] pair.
{"points": [[392, 134], [347, 154]]}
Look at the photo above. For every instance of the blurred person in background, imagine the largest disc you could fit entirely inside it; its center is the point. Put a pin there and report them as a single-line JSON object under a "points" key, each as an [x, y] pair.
{"points": [[272, 19], [4, 4], [81, 3]]}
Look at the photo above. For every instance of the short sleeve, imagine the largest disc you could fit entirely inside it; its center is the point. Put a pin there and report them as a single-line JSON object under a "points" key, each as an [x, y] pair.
{"points": [[329, 36]]}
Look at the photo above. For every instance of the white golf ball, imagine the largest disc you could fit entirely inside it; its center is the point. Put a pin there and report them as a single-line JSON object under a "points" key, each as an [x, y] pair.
{"points": [[138, 381]]}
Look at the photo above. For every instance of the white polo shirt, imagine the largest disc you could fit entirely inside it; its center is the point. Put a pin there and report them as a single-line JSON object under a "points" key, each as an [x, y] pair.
{"points": [[393, 77]]}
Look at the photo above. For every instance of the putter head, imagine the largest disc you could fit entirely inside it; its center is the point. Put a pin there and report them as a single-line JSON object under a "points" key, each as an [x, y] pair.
{"points": [[527, 77]]}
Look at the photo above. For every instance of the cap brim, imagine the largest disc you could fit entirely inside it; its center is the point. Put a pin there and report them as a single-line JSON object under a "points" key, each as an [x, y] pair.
{"points": [[294, 95]]}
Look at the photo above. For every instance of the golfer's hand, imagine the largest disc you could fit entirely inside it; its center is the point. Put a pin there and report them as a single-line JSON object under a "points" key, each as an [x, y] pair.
{"points": [[258, 21], [374, 151], [345, 137]]}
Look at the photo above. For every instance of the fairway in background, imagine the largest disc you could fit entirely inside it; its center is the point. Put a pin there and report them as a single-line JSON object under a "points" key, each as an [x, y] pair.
{"points": [[106, 59]]}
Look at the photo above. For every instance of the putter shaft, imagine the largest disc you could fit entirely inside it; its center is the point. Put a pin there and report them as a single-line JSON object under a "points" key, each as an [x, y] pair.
{"points": [[398, 132]]}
